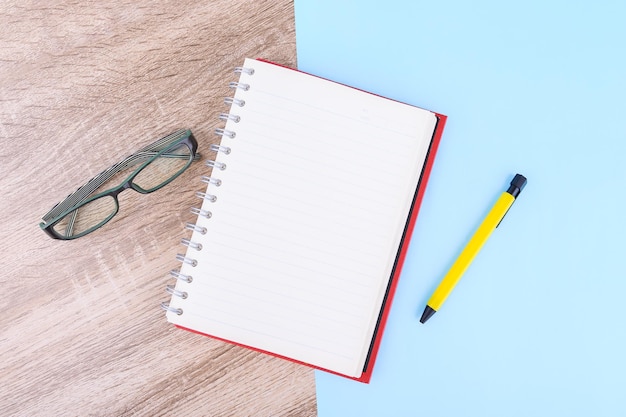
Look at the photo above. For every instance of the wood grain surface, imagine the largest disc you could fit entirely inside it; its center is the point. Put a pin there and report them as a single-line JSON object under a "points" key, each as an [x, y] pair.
{"points": [[82, 85]]}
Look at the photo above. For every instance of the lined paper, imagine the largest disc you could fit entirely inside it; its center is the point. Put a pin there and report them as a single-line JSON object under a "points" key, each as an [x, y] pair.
{"points": [[308, 218]]}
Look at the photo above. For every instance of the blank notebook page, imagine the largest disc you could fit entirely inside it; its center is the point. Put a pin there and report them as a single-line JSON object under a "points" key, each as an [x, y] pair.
{"points": [[308, 218]]}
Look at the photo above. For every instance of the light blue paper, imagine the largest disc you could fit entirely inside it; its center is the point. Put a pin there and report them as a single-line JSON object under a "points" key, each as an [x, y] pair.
{"points": [[536, 327]]}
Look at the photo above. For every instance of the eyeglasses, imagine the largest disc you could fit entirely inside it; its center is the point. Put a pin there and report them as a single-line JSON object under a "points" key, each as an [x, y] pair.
{"points": [[95, 203]]}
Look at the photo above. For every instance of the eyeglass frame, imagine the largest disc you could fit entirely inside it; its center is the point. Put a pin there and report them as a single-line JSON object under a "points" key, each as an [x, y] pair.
{"points": [[83, 193]]}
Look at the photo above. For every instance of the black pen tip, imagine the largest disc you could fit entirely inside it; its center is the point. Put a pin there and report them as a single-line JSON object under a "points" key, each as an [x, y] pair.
{"points": [[428, 313]]}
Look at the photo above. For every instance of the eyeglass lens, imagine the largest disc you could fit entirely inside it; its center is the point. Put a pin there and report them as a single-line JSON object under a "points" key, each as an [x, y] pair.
{"points": [[161, 170], [87, 217], [153, 176]]}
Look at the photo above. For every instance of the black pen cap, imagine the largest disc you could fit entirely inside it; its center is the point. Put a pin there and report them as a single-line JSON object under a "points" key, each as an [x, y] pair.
{"points": [[517, 185]]}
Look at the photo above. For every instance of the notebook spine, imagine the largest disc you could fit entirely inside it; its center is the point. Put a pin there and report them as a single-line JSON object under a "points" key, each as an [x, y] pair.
{"points": [[188, 260]]}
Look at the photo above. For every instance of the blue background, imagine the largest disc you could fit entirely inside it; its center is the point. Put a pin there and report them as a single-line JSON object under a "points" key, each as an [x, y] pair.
{"points": [[536, 327]]}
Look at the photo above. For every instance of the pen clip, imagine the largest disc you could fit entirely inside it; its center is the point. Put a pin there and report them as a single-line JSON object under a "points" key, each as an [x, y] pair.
{"points": [[507, 211], [517, 185]]}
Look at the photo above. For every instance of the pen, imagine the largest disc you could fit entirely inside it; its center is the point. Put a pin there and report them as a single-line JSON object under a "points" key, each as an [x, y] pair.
{"points": [[481, 235]]}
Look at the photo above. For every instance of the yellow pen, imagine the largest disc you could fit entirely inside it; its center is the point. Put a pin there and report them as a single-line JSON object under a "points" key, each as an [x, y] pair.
{"points": [[483, 232]]}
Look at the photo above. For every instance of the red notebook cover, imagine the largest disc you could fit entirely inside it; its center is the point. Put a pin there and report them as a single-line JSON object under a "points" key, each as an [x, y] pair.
{"points": [[397, 269], [408, 231]]}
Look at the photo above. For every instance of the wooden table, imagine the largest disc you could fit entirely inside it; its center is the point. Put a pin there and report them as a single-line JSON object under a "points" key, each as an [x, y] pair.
{"points": [[82, 85]]}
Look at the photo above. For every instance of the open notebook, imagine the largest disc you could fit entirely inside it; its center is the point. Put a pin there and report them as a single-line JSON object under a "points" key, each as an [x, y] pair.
{"points": [[305, 219]]}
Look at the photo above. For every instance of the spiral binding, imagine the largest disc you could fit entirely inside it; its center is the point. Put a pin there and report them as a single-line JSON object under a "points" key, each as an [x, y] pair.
{"points": [[200, 212], [190, 244], [240, 70], [209, 180], [220, 148], [243, 86], [224, 132], [171, 289], [208, 197], [189, 261], [196, 228], [166, 306], [176, 274], [231, 100], [227, 116], [214, 164]]}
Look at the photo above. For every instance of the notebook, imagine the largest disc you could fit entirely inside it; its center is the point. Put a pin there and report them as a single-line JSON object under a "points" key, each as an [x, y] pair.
{"points": [[303, 226]]}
